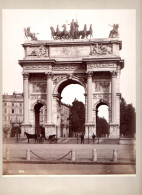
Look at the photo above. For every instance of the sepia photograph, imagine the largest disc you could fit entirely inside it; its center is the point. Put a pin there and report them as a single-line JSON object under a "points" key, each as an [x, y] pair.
{"points": [[69, 92], [70, 97]]}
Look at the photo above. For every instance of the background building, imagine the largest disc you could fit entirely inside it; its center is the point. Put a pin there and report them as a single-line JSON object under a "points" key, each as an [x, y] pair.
{"points": [[12, 113]]}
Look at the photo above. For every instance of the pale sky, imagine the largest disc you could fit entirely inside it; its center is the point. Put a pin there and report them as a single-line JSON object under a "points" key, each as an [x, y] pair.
{"points": [[14, 22]]}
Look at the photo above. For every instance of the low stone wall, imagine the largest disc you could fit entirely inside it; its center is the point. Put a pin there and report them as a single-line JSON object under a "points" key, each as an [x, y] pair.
{"points": [[127, 141]]}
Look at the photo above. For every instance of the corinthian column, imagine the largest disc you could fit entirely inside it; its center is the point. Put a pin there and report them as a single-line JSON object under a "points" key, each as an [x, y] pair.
{"points": [[49, 97], [89, 97], [113, 96], [26, 97]]}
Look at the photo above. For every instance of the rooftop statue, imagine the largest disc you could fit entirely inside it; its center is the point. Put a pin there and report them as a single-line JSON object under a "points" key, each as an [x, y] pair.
{"points": [[114, 32], [29, 34], [73, 33]]}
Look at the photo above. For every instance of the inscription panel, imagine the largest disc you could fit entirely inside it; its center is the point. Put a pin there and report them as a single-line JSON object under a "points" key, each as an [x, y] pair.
{"points": [[71, 51]]}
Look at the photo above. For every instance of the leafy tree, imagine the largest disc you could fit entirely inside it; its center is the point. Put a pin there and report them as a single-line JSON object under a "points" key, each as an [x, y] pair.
{"points": [[77, 118], [127, 119], [102, 127]]}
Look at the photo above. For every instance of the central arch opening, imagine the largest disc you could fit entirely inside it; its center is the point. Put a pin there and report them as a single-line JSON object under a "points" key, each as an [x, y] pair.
{"points": [[72, 97]]}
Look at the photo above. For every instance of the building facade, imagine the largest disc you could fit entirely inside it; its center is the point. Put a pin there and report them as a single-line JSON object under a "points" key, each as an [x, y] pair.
{"points": [[12, 113]]}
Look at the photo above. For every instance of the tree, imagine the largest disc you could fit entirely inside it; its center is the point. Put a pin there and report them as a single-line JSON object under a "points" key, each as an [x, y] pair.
{"points": [[127, 119], [77, 119], [102, 127]]}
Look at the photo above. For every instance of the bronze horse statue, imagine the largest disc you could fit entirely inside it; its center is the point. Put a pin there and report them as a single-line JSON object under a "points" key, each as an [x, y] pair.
{"points": [[29, 34], [66, 34], [72, 34], [114, 32]]}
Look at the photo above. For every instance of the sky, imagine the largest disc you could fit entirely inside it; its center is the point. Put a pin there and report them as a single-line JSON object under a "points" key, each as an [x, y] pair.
{"points": [[15, 20]]}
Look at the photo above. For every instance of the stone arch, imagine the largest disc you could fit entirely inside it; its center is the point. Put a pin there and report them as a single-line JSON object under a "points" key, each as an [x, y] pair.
{"points": [[99, 103], [95, 110], [67, 81], [38, 101]]}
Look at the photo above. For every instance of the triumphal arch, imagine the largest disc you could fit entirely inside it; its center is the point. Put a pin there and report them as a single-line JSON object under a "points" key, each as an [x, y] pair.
{"points": [[49, 66]]}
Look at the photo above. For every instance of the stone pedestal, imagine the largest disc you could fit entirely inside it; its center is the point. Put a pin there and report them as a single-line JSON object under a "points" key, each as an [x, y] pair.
{"points": [[114, 131], [26, 128], [50, 129], [89, 130]]}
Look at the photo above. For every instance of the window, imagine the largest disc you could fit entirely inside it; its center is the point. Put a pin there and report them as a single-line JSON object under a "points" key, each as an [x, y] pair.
{"points": [[12, 111], [4, 104], [20, 111], [12, 104], [20, 104], [5, 110]]}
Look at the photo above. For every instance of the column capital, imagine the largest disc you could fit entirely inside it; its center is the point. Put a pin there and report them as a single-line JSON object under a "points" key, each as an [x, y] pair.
{"points": [[89, 74], [25, 75], [49, 74], [114, 74]]}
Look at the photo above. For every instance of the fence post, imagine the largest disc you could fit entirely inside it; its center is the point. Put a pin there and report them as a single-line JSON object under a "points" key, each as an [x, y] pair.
{"points": [[114, 155], [94, 155], [7, 154], [73, 155], [28, 157]]}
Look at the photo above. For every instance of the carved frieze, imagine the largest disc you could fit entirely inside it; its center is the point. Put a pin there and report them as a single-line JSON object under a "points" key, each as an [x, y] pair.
{"points": [[99, 49], [38, 67], [39, 52], [91, 66], [68, 67], [39, 87]]}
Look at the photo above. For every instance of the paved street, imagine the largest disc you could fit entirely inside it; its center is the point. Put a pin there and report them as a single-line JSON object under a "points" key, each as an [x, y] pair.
{"points": [[66, 169], [56, 159]]}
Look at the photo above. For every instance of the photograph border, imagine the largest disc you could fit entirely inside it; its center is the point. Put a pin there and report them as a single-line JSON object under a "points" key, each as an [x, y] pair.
{"points": [[128, 184]]}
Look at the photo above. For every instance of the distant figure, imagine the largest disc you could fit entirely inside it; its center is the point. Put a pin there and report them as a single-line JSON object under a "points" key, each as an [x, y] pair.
{"points": [[93, 136], [82, 138]]}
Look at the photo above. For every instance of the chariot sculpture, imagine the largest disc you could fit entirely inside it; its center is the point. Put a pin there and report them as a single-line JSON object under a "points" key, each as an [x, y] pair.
{"points": [[73, 33]]}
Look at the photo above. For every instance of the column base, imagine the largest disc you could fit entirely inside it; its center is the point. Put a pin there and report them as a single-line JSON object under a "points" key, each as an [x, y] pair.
{"points": [[90, 128], [50, 129], [114, 131], [26, 127]]}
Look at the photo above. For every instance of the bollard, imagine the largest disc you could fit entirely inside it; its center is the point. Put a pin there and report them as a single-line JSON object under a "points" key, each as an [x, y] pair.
{"points": [[28, 154], [73, 155], [114, 155], [94, 155], [7, 154]]}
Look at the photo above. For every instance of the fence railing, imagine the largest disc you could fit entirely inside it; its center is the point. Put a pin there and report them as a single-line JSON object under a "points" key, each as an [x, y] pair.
{"points": [[72, 155]]}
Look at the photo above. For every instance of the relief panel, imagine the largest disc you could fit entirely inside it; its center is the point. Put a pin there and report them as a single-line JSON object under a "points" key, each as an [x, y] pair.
{"points": [[39, 87], [40, 52], [67, 51]]}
